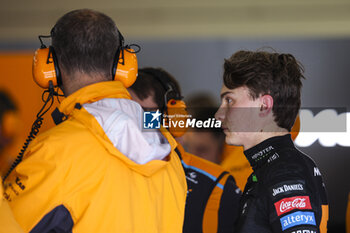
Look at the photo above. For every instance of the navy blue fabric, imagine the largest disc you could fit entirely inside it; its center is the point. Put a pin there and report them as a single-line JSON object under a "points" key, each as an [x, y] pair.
{"points": [[57, 220]]}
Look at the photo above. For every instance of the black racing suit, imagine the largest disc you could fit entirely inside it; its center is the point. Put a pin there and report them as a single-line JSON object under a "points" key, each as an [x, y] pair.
{"points": [[285, 192]]}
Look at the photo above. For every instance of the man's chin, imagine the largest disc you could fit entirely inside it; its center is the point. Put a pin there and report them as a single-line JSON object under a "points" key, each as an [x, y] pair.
{"points": [[232, 140]]}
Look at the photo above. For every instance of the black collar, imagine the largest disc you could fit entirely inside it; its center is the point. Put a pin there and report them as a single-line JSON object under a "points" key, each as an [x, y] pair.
{"points": [[266, 151]]}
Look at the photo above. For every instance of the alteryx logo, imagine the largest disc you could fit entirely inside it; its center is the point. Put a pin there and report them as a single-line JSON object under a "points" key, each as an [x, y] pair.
{"points": [[297, 218], [151, 120]]}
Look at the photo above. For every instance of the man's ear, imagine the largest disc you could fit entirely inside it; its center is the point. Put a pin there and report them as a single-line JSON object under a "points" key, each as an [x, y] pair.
{"points": [[266, 106]]}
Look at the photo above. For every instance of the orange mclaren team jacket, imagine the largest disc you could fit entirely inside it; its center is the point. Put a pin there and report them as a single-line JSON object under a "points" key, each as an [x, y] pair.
{"points": [[213, 198], [8, 223], [234, 161], [73, 179]]}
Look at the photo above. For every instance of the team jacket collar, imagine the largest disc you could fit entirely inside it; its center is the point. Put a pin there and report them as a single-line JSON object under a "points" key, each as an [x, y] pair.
{"points": [[93, 93], [99, 91], [266, 151]]}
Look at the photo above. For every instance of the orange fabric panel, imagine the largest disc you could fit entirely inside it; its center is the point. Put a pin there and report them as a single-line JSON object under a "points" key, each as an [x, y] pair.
{"points": [[324, 219], [203, 164], [237, 164], [211, 213], [7, 221]]}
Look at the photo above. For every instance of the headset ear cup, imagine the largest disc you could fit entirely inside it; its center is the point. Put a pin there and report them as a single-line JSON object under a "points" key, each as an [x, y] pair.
{"points": [[176, 109], [125, 69], [44, 67]]}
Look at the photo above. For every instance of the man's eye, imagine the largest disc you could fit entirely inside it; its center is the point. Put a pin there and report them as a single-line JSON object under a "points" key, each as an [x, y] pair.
{"points": [[228, 100]]}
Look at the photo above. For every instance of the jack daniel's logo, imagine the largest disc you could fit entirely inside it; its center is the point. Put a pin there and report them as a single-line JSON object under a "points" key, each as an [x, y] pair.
{"points": [[286, 188]]}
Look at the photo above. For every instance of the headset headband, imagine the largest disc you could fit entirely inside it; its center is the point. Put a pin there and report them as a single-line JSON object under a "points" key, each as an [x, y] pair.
{"points": [[164, 80], [166, 83], [119, 55]]}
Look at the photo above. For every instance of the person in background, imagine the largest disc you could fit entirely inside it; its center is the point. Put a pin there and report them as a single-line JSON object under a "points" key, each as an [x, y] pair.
{"points": [[96, 171], [234, 161], [205, 143], [211, 145], [8, 111], [8, 119], [9, 127], [213, 197], [260, 100]]}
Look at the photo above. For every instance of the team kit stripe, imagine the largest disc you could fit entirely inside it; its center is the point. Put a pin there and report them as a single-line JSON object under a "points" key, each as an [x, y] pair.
{"points": [[202, 172]]}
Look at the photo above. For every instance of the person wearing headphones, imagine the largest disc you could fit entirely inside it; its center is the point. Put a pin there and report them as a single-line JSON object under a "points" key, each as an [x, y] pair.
{"points": [[260, 102], [212, 195], [96, 171]]}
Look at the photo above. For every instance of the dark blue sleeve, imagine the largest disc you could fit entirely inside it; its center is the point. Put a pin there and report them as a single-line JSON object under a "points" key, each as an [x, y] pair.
{"points": [[229, 206], [57, 220]]}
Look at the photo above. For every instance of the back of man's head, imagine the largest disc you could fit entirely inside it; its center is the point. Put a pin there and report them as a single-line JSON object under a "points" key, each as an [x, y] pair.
{"points": [[156, 82], [278, 75], [85, 41]]}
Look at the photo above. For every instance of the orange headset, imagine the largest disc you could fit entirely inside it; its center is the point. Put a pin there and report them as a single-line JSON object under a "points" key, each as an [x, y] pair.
{"points": [[172, 107], [46, 69], [46, 74]]}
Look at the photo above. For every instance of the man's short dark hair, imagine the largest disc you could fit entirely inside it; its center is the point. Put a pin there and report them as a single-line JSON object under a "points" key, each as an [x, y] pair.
{"points": [[278, 75], [148, 83], [85, 41]]}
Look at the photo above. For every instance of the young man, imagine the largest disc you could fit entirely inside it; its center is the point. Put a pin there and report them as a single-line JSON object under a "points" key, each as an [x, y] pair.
{"points": [[96, 171], [260, 102], [213, 197]]}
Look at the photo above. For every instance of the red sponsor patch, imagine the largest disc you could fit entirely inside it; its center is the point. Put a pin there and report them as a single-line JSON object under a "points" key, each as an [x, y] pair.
{"points": [[291, 203]]}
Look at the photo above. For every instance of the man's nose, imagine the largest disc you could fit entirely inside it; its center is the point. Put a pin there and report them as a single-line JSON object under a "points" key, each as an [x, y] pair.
{"points": [[219, 115]]}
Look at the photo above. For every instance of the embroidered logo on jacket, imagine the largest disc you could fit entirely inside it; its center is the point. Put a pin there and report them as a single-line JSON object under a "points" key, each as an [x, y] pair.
{"points": [[287, 188], [291, 203], [304, 231], [256, 156], [317, 172], [297, 218], [191, 176]]}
